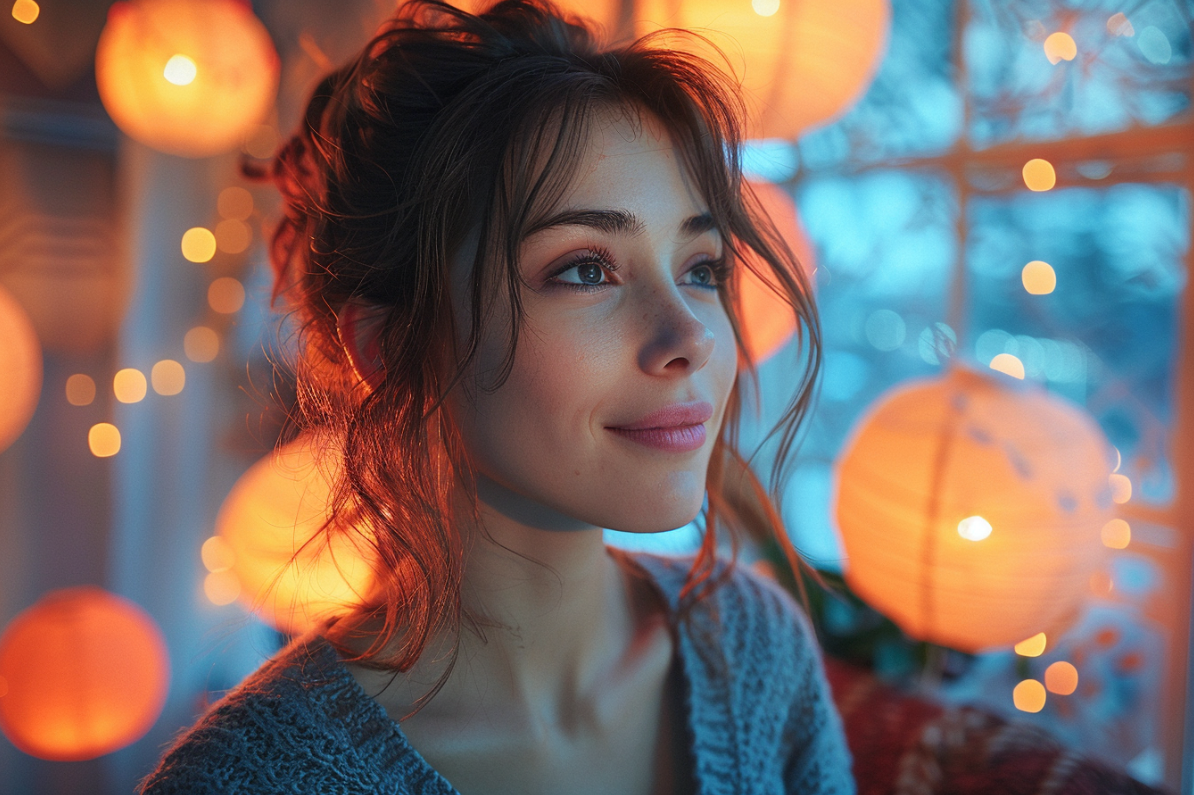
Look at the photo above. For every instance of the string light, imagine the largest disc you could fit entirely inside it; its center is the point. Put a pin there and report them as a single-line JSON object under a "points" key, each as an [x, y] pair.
{"points": [[201, 344], [168, 377], [198, 244], [129, 385], [104, 440], [1039, 175], [25, 11]]}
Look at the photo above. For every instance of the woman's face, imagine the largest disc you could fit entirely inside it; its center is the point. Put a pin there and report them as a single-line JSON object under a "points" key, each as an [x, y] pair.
{"points": [[626, 359]]}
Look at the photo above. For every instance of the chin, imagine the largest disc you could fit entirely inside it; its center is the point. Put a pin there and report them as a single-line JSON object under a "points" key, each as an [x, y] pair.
{"points": [[652, 515]]}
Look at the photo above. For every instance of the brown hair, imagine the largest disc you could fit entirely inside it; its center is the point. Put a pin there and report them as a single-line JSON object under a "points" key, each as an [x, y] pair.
{"points": [[450, 124]]}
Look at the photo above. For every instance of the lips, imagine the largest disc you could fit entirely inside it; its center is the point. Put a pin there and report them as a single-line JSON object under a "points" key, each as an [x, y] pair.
{"points": [[673, 416], [678, 428]]}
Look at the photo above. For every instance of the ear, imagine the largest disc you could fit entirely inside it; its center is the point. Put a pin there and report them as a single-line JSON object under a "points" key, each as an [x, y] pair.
{"points": [[359, 327]]}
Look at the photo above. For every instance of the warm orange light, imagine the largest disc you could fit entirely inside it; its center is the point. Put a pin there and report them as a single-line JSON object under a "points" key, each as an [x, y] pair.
{"points": [[80, 390], [1038, 277], [1029, 696], [974, 528], [1118, 25], [217, 554], [222, 587], [1033, 647], [168, 377], [20, 369], [188, 77], [1060, 46], [104, 440], [767, 320], [233, 236], [1039, 175], [1121, 488], [262, 141], [129, 385], [969, 444], [180, 70], [801, 67], [1117, 534], [275, 507], [198, 244], [1008, 364], [87, 674], [25, 11], [201, 344], [226, 295], [1061, 678], [235, 202]]}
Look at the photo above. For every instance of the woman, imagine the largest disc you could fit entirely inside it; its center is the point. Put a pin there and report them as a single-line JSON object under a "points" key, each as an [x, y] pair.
{"points": [[512, 255]]}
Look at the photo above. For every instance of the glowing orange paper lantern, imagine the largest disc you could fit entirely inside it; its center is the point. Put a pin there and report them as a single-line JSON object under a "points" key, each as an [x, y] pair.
{"points": [[275, 507], [187, 77], [935, 457], [20, 369], [767, 321], [801, 65], [87, 674]]}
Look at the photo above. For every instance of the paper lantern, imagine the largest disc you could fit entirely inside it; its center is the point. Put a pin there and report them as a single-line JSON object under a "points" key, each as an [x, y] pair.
{"points": [[87, 674], [275, 507], [800, 66], [20, 369], [767, 320], [971, 508], [187, 77]]}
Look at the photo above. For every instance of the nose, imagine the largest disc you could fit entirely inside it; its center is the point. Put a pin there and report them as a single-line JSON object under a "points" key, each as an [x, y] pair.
{"points": [[676, 341]]}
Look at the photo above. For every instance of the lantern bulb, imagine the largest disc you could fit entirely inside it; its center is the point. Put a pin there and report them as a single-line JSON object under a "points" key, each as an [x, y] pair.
{"points": [[180, 70], [974, 528], [765, 8]]}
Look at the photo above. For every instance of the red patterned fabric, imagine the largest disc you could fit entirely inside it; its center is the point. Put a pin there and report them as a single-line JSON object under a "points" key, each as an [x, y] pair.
{"points": [[905, 745]]}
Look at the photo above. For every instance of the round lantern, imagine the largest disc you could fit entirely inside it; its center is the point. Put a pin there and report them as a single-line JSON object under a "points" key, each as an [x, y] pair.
{"points": [[801, 62], [187, 77], [767, 320], [20, 369], [87, 673], [970, 509], [279, 504]]}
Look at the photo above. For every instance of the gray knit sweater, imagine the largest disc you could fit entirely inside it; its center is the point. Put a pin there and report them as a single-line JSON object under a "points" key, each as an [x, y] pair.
{"points": [[759, 713]]}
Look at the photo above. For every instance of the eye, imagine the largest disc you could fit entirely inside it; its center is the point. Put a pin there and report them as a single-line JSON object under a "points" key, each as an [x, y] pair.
{"points": [[710, 274], [585, 272]]}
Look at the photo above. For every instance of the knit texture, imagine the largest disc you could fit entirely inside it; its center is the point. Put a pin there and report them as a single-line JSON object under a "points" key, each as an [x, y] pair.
{"points": [[759, 712]]}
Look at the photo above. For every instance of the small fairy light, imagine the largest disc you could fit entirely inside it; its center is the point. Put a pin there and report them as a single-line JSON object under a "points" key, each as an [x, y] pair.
{"points": [[233, 236], [217, 554], [1039, 175], [974, 528], [1060, 46], [1008, 364], [1061, 678], [80, 390], [198, 244], [25, 11], [221, 587], [129, 385], [235, 203], [1032, 647], [1117, 534], [226, 295], [168, 377], [201, 344], [180, 70], [1038, 278], [1029, 696], [104, 440]]}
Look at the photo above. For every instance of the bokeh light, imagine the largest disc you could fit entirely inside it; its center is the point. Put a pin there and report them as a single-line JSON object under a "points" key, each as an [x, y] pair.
{"points": [[765, 8], [222, 587], [1119, 25], [80, 390], [180, 70], [1060, 46], [233, 236], [168, 377], [201, 344], [262, 141], [1117, 534], [25, 11], [1038, 277], [1008, 364], [129, 385], [226, 295], [104, 440], [20, 369], [217, 554], [1061, 678], [974, 528], [235, 202], [1039, 175], [87, 671], [1121, 488], [1029, 696], [1032, 647], [198, 244]]}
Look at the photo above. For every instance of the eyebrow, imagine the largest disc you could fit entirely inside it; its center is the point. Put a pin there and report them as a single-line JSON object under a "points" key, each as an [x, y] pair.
{"points": [[619, 222]]}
